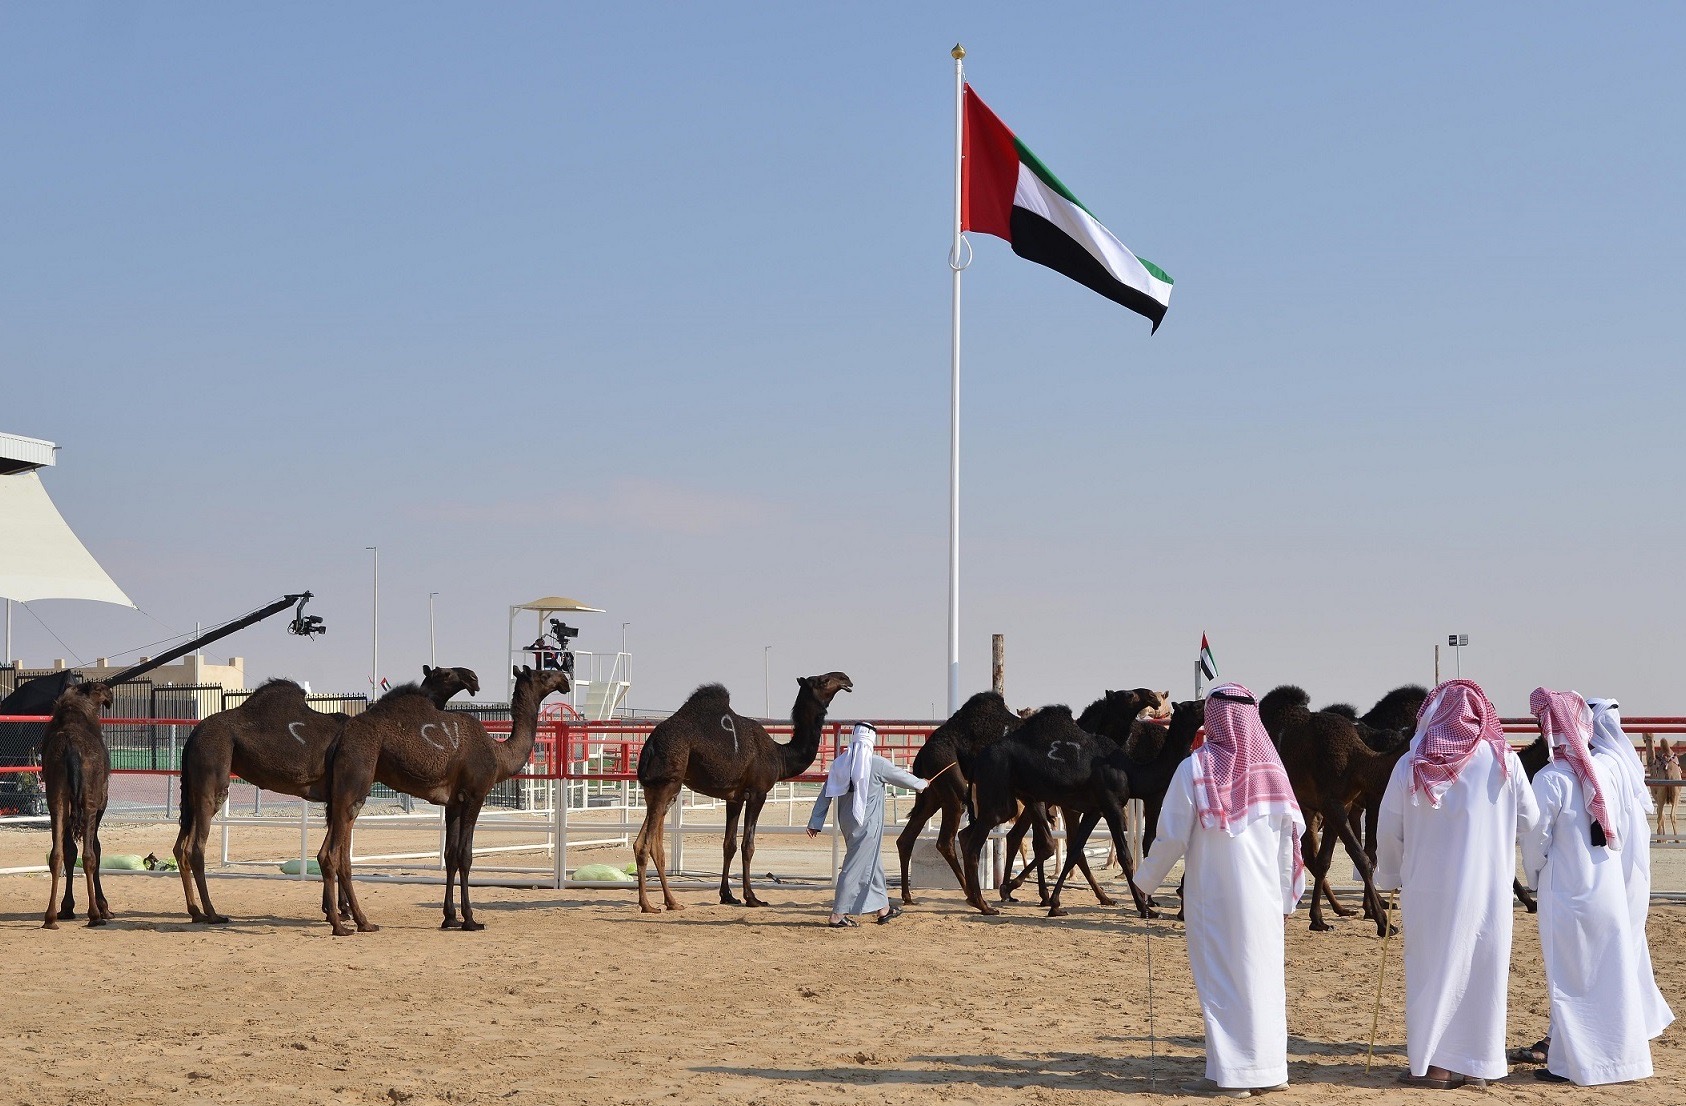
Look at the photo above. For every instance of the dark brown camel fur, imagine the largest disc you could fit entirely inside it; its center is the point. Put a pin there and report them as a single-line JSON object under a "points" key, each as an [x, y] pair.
{"points": [[1051, 759], [76, 775], [409, 744], [1332, 771], [707, 746], [275, 742], [982, 720], [1152, 752]]}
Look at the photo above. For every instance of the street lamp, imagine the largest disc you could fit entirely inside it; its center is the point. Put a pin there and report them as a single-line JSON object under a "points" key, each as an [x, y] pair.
{"points": [[1457, 642], [375, 628], [432, 645]]}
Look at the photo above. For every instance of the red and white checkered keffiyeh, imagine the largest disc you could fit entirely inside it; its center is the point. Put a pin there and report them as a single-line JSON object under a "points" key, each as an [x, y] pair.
{"points": [[1451, 724], [1566, 721], [1238, 776]]}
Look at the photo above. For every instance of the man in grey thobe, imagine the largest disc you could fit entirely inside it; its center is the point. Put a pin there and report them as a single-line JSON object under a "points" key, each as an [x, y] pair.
{"points": [[858, 776]]}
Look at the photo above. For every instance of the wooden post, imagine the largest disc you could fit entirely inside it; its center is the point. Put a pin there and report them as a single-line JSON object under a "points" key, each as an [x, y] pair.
{"points": [[1437, 664], [998, 664]]}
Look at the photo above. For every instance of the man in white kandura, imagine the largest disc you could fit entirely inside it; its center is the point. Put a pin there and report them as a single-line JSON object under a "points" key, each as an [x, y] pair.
{"points": [[1613, 749], [1454, 807], [1231, 811], [858, 776], [1600, 1013]]}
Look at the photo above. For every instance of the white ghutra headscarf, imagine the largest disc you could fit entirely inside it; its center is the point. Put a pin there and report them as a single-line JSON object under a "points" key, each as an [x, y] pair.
{"points": [[1608, 737], [852, 770]]}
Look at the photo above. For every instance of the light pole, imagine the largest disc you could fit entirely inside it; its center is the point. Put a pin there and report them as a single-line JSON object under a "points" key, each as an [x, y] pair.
{"points": [[766, 684], [432, 644], [1457, 642], [375, 628], [624, 625]]}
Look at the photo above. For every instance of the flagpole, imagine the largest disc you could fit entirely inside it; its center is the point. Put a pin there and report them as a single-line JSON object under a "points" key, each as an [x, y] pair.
{"points": [[956, 267]]}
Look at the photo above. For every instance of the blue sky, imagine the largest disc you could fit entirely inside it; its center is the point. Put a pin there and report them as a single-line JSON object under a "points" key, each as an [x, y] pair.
{"points": [[649, 305]]}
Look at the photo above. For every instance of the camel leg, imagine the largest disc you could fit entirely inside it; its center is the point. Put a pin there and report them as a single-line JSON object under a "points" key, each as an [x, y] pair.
{"points": [[1101, 896], [1115, 822], [98, 903], [1318, 861], [1074, 843], [184, 862], [453, 862], [67, 908], [196, 854], [925, 804], [465, 862], [327, 859], [1355, 849], [90, 872], [756, 801], [728, 850], [348, 891], [1027, 818], [948, 832], [972, 840], [55, 857], [1525, 897], [650, 843]]}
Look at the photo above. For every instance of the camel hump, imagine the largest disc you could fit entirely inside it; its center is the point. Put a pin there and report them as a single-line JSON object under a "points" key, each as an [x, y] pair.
{"points": [[710, 693]]}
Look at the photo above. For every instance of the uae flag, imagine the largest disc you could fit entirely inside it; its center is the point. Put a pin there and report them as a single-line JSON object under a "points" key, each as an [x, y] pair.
{"points": [[1207, 664], [1007, 191]]}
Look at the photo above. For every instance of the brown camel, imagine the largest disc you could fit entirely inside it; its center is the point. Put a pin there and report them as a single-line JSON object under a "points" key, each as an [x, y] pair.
{"points": [[275, 742], [405, 741], [76, 774], [713, 750], [1663, 763], [1332, 771]]}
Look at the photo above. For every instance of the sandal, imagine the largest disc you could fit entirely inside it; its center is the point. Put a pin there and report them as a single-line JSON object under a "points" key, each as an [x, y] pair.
{"points": [[890, 915], [1450, 1083], [1535, 1053], [844, 922], [1545, 1076]]}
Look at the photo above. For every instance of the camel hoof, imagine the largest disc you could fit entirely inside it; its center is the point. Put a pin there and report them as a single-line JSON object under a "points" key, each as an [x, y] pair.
{"points": [[68, 915], [1392, 931], [985, 908], [1148, 912], [649, 909], [368, 927], [729, 899], [675, 907], [909, 900], [1057, 912], [95, 921], [343, 931], [1321, 927], [751, 900], [1108, 900], [49, 924], [450, 923], [472, 927]]}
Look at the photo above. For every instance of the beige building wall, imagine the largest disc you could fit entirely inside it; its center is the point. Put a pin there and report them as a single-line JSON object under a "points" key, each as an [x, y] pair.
{"points": [[189, 670]]}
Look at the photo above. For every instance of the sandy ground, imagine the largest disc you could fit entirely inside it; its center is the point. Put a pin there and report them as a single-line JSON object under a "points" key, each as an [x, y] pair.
{"points": [[575, 997]]}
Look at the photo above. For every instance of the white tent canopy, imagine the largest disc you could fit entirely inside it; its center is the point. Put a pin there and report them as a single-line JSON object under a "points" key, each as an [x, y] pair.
{"points": [[40, 558]]}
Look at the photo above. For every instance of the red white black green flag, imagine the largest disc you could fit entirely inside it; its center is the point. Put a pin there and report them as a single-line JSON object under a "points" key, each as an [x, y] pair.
{"points": [[1007, 191]]}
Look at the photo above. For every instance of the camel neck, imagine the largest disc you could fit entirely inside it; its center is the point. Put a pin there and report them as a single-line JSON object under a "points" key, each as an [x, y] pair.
{"points": [[523, 729], [807, 723]]}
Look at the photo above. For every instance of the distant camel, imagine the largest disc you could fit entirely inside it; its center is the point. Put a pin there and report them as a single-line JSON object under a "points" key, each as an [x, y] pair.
{"points": [[409, 744], [1052, 759], [275, 742], [1332, 771], [76, 774], [1665, 765], [707, 746]]}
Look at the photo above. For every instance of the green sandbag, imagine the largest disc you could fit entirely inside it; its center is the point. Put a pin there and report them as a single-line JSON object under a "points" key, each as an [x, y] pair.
{"points": [[601, 873], [114, 862], [631, 869], [291, 868]]}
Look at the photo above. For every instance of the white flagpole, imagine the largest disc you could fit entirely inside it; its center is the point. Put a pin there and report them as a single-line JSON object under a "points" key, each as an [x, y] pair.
{"points": [[956, 266]]}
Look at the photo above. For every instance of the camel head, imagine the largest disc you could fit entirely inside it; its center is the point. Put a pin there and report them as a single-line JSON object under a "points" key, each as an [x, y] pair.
{"points": [[442, 683], [1161, 709], [89, 697], [826, 687], [542, 681]]}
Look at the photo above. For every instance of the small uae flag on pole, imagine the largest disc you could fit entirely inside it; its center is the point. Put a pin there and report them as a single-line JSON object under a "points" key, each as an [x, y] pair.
{"points": [[1206, 667], [1009, 193]]}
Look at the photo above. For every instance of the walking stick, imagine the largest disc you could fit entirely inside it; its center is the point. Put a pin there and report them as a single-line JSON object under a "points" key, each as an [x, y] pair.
{"points": [[1152, 1042], [1381, 974]]}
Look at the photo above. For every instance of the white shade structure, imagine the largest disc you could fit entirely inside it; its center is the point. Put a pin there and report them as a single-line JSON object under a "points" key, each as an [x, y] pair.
{"points": [[40, 556]]}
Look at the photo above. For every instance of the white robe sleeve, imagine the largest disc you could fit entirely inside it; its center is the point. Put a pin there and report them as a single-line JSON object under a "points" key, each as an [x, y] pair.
{"points": [[1176, 827], [822, 807], [1390, 828], [888, 773], [1292, 888], [1546, 798]]}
